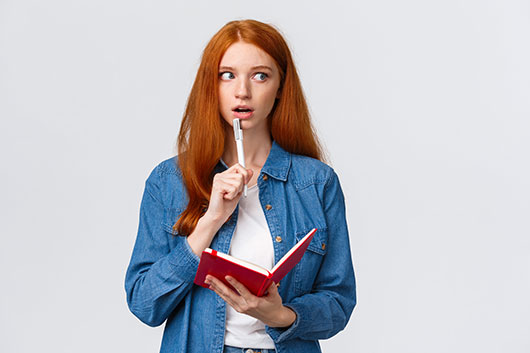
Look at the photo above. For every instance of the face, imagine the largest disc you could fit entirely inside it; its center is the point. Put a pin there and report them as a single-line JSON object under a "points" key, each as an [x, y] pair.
{"points": [[248, 85]]}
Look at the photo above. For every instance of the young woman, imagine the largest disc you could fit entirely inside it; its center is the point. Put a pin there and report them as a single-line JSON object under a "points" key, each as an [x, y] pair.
{"points": [[194, 200]]}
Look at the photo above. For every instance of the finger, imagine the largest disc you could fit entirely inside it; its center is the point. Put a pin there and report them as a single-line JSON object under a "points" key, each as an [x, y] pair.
{"points": [[235, 193], [234, 176], [250, 174], [272, 290], [228, 190], [225, 298], [235, 179], [220, 182], [273, 287], [221, 287], [232, 181], [241, 289], [229, 174], [224, 292], [237, 169], [247, 173]]}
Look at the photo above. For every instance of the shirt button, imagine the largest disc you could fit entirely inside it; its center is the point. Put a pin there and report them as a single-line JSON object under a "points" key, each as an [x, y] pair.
{"points": [[268, 207], [278, 239], [249, 351], [323, 246], [265, 177]]}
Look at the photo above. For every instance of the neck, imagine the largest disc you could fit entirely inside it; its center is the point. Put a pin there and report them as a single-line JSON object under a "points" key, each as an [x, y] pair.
{"points": [[256, 144]]}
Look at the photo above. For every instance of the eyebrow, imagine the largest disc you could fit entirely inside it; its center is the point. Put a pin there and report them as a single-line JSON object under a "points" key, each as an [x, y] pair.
{"points": [[253, 68]]}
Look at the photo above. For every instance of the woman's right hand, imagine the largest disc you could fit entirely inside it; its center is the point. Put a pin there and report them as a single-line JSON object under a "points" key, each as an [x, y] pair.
{"points": [[227, 189]]}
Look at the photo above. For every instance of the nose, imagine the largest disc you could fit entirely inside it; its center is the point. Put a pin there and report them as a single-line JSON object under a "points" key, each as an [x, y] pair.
{"points": [[243, 89]]}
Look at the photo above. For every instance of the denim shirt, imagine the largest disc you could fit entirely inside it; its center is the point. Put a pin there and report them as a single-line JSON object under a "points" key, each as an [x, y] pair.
{"points": [[296, 193]]}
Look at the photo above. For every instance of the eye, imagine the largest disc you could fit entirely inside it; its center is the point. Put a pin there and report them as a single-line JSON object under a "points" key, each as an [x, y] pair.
{"points": [[261, 76], [226, 75]]}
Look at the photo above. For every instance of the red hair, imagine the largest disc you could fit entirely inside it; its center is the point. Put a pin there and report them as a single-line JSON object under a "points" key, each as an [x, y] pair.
{"points": [[202, 134]]}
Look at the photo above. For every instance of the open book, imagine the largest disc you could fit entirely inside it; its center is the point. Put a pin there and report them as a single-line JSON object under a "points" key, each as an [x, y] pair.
{"points": [[256, 278]]}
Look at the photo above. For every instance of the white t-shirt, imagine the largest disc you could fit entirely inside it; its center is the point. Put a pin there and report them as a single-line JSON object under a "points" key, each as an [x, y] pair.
{"points": [[251, 242]]}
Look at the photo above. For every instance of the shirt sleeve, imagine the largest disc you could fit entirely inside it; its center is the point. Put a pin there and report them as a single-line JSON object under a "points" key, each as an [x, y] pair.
{"points": [[326, 310], [157, 277]]}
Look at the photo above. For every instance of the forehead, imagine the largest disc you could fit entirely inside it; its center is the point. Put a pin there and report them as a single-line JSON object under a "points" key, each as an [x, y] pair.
{"points": [[245, 55]]}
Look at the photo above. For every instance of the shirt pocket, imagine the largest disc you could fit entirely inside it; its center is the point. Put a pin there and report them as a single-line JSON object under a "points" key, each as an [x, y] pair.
{"points": [[307, 269], [171, 215]]}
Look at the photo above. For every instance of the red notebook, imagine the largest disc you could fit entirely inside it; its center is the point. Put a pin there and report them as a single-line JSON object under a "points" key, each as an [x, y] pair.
{"points": [[256, 278]]}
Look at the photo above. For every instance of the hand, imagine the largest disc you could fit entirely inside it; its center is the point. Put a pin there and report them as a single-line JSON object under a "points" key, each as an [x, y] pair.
{"points": [[227, 188], [268, 308], [226, 191]]}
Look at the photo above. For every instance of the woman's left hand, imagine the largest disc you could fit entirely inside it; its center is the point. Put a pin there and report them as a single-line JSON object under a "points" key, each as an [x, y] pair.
{"points": [[268, 308]]}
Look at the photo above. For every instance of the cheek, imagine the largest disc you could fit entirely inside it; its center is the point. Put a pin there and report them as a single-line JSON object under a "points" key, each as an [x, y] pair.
{"points": [[224, 105], [223, 101], [267, 95], [268, 99]]}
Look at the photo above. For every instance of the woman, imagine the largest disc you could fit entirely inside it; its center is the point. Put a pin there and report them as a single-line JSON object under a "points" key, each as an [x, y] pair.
{"points": [[246, 72]]}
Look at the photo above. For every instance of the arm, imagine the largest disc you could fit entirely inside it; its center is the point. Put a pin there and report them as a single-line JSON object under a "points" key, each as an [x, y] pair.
{"points": [[326, 310], [157, 277]]}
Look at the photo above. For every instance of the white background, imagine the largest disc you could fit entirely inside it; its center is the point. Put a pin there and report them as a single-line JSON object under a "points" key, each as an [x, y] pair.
{"points": [[424, 109]]}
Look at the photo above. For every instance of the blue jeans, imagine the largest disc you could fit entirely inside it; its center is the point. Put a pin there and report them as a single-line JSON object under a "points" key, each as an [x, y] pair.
{"points": [[230, 349]]}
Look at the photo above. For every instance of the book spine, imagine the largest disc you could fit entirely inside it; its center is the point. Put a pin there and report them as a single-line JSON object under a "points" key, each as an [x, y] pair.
{"points": [[264, 285]]}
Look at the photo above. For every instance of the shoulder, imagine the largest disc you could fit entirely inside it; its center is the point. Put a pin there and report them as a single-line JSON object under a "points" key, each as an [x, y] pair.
{"points": [[167, 167], [307, 171], [165, 182]]}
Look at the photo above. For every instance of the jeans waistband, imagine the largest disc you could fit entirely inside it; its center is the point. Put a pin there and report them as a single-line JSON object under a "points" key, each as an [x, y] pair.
{"points": [[230, 349]]}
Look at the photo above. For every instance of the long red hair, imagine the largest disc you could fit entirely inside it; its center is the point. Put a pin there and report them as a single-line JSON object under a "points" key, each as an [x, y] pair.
{"points": [[202, 134]]}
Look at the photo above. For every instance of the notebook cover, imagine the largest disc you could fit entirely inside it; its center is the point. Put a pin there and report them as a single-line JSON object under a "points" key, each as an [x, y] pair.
{"points": [[219, 267], [293, 258], [255, 282]]}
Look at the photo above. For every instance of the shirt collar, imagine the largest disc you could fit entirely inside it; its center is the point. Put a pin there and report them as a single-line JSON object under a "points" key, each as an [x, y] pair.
{"points": [[277, 164]]}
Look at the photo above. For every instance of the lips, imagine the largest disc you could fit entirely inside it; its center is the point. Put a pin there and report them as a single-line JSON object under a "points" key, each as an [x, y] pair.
{"points": [[243, 111], [242, 108]]}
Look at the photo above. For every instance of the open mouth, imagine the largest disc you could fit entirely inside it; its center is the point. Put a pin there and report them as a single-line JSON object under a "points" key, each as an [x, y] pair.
{"points": [[243, 109], [243, 112]]}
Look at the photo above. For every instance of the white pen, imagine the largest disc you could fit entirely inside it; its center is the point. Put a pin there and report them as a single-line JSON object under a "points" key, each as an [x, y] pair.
{"points": [[238, 134]]}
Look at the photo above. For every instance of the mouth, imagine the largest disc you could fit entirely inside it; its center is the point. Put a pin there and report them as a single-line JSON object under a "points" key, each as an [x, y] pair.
{"points": [[243, 111]]}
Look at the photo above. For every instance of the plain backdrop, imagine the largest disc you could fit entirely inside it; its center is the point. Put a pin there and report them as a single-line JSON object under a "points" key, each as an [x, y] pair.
{"points": [[423, 107]]}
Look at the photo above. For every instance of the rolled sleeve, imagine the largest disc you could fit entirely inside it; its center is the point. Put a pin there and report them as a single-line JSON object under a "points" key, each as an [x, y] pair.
{"points": [[158, 276], [184, 260]]}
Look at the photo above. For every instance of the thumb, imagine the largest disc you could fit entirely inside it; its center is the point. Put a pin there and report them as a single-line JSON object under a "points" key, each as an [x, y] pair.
{"points": [[250, 174], [273, 289]]}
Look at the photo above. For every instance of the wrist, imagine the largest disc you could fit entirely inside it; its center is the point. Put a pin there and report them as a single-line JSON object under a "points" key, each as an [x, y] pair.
{"points": [[211, 221], [285, 318], [290, 316], [202, 235]]}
